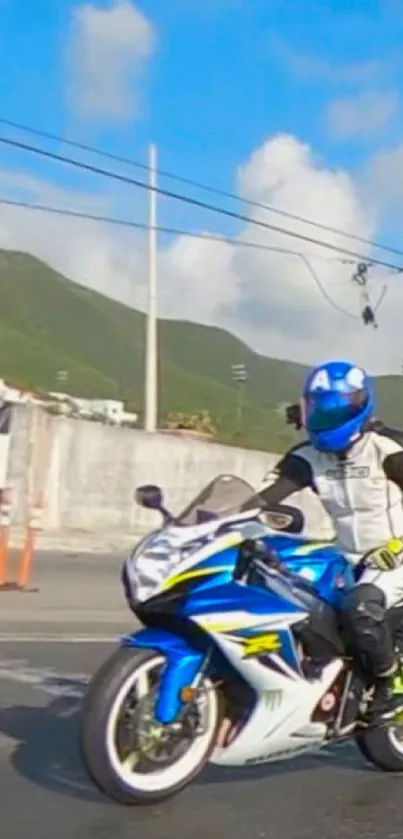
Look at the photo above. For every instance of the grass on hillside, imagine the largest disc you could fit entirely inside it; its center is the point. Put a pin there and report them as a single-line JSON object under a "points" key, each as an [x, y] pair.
{"points": [[48, 323]]}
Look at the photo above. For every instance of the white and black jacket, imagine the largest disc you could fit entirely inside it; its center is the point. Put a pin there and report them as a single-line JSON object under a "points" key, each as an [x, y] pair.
{"points": [[361, 491]]}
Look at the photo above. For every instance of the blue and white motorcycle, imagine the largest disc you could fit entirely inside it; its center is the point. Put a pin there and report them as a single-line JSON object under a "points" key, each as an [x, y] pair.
{"points": [[240, 661]]}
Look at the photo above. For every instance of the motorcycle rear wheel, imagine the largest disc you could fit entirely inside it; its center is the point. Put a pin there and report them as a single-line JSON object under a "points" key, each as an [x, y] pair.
{"points": [[383, 747]]}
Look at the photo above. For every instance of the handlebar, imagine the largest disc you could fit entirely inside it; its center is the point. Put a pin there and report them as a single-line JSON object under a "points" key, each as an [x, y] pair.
{"points": [[251, 550], [254, 550]]}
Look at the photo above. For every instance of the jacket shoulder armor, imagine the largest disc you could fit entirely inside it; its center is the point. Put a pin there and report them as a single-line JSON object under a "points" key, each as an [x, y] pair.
{"points": [[394, 435], [300, 449]]}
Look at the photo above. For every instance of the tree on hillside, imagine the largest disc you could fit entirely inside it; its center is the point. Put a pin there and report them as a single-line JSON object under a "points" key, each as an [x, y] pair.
{"points": [[202, 423]]}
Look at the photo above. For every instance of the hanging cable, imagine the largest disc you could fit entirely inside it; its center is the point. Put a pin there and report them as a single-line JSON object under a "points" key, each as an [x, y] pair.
{"points": [[198, 185], [193, 202], [60, 211]]}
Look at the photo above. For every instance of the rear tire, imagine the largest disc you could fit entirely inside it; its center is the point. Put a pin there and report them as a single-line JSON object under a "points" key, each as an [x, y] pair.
{"points": [[383, 748], [102, 704]]}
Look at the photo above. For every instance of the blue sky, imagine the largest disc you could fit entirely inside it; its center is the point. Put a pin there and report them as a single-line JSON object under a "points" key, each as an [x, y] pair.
{"points": [[223, 76], [212, 82]]}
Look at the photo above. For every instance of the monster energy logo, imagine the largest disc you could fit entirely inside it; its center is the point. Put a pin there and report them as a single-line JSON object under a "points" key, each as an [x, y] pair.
{"points": [[273, 699]]}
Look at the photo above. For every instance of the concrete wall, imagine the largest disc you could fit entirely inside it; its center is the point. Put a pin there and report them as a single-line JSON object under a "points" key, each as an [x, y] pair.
{"points": [[90, 472]]}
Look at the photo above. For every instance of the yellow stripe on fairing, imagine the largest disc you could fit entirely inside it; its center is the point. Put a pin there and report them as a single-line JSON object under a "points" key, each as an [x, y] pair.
{"points": [[229, 540], [228, 626], [304, 550], [190, 575], [221, 627]]}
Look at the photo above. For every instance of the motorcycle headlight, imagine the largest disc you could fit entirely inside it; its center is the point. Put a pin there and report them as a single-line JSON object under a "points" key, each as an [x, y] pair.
{"points": [[150, 545], [191, 547], [152, 561], [156, 547]]}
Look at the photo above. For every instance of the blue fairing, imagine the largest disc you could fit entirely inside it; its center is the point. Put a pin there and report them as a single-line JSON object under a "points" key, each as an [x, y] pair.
{"points": [[304, 557], [182, 661], [234, 597], [217, 592], [298, 554]]}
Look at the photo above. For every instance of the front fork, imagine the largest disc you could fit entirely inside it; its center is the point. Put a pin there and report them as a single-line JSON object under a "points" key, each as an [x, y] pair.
{"points": [[183, 674]]}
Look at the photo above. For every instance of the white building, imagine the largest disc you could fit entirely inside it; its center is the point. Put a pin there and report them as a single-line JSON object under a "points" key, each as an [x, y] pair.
{"points": [[110, 410]]}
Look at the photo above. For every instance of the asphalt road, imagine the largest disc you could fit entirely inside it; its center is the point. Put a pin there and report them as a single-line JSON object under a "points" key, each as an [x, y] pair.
{"points": [[44, 792], [79, 593]]}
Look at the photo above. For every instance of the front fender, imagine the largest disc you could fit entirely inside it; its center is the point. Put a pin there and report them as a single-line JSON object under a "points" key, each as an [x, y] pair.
{"points": [[182, 665]]}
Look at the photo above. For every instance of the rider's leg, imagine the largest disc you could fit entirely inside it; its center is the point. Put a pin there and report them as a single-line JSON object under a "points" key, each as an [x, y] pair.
{"points": [[364, 616]]}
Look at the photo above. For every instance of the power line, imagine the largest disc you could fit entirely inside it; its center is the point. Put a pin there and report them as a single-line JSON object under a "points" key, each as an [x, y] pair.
{"points": [[9, 202], [96, 170], [199, 185]]}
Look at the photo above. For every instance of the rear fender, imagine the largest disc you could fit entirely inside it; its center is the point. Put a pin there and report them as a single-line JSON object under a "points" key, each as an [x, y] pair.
{"points": [[182, 666]]}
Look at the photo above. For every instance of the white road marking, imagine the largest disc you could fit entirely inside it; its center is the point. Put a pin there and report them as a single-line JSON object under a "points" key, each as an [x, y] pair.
{"points": [[16, 638], [46, 679]]}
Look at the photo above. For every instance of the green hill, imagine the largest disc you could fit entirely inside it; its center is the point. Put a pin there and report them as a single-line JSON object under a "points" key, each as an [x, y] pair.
{"points": [[49, 323]]}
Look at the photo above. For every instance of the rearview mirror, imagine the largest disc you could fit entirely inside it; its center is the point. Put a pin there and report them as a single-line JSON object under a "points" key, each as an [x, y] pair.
{"points": [[150, 496]]}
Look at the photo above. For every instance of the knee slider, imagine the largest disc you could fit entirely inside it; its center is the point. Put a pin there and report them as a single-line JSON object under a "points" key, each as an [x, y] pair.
{"points": [[365, 604]]}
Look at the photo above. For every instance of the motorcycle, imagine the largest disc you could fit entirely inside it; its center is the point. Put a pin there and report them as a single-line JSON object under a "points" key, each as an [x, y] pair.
{"points": [[241, 660]]}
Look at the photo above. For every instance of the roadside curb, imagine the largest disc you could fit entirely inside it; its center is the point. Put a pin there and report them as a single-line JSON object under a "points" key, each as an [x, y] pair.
{"points": [[57, 638], [69, 542]]}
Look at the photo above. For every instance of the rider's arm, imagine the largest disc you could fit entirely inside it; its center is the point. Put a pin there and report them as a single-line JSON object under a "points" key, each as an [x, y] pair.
{"points": [[392, 444], [290, 475], [393, 468]]}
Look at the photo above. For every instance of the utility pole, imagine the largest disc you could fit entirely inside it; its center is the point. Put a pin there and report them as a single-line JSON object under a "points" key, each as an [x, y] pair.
{"points": [[239, 375], [151, 361]]}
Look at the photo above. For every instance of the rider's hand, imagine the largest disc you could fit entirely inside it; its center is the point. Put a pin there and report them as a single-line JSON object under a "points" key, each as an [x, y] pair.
{"points": [[388, 557]]}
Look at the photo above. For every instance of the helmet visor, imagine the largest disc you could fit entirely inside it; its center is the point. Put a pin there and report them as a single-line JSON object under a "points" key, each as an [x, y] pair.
{"points": [[333, 411]]}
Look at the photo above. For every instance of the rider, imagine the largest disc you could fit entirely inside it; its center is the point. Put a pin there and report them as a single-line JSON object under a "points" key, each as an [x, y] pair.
{"points": [[355, 466]]}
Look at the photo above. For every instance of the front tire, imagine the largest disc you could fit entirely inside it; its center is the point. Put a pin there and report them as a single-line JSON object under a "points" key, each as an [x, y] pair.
{"points": [[127, 673], [383, 747]]}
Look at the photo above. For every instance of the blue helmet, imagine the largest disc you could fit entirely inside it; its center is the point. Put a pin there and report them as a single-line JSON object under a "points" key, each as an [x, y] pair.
{"points": [[338, 400]]}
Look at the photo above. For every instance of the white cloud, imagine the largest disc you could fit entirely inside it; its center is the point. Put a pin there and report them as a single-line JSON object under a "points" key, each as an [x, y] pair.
{"points": [[89, 252], [384, 180], [270, 300], [363, 114], [314, 68], [107, 54]]}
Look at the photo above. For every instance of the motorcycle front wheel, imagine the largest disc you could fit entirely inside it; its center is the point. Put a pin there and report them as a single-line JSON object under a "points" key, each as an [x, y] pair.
{"points": [[127, 753]]}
